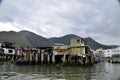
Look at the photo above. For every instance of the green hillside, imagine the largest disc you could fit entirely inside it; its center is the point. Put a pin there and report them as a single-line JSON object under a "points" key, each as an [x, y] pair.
{"points": [[27, 38]]}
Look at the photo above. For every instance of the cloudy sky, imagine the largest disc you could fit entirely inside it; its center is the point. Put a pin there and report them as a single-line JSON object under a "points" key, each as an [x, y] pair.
{"points": [[99, 19]]}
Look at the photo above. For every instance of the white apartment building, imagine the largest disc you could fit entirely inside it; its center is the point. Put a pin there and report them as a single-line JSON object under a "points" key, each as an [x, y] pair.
{"points": [[112, 52]]}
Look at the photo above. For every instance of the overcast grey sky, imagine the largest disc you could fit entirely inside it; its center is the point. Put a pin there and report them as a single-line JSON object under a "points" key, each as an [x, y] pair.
{"points": [[99, 19]]}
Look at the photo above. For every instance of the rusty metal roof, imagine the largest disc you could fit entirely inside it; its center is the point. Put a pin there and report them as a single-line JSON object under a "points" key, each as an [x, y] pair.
{"points": [[60, 47]]}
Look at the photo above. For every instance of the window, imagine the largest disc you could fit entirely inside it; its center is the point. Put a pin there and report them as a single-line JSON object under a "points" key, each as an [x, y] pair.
{"points": [[78, 41], [81, 41], [10, 51]]}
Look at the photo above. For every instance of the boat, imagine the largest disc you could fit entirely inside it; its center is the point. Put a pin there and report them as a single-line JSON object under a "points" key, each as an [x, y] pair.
{"points": [[21, 62], [97, 59], [114, 61]]}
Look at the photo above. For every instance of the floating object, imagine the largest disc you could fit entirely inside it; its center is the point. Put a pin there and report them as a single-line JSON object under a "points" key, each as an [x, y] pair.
{"points": [[114, 61]]}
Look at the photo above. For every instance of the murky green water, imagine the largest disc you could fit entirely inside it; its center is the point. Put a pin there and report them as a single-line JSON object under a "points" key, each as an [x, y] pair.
{"points": [[101, 71]]}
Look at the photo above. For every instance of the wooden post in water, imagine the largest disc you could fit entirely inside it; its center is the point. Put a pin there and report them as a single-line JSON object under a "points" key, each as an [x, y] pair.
{"points": [[8, 57], [86, 62], [92, 60], [0, 57], [12, 57], [16, 57], [81, 60], [5, 57], [64, 58], [53, 58], [30, 58], [48, 58], [36, 58], [42, 58], [24, 54]]}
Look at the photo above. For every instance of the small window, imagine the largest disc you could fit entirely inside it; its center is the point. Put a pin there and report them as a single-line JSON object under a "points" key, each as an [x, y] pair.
{"points": [[81, 41], [10, 51], [78, 41]]}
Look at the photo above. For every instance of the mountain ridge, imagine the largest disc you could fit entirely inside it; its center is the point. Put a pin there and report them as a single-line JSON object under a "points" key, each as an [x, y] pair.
{"points": [[26, 38]]}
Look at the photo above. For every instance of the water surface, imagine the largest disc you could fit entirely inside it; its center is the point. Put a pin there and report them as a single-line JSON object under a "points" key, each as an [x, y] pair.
{"points": [[100, 71]]}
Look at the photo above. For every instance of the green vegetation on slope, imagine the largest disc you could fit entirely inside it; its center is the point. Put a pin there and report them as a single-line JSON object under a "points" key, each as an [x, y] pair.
{"points": [[26, 38]]}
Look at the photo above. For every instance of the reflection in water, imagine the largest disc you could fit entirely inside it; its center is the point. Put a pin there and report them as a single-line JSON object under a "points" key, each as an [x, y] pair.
{"points": [[101, 71]]}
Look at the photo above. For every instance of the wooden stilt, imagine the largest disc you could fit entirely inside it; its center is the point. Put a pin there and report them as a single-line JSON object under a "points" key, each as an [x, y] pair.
{"points": [[30, 58], [64, 58], [25, 57], [53, 59], [48, 58], [36, 58], [0, 57], [42, 58], [5, 57]]}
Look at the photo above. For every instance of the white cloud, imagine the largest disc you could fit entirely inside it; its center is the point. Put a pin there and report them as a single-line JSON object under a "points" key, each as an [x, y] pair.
{"points": [[94, 18], [8, 27]]}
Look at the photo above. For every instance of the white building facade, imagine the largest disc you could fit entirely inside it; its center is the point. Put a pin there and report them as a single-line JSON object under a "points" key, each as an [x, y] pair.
{"points": [[7, 48], [112, 52], [8, 51]]}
